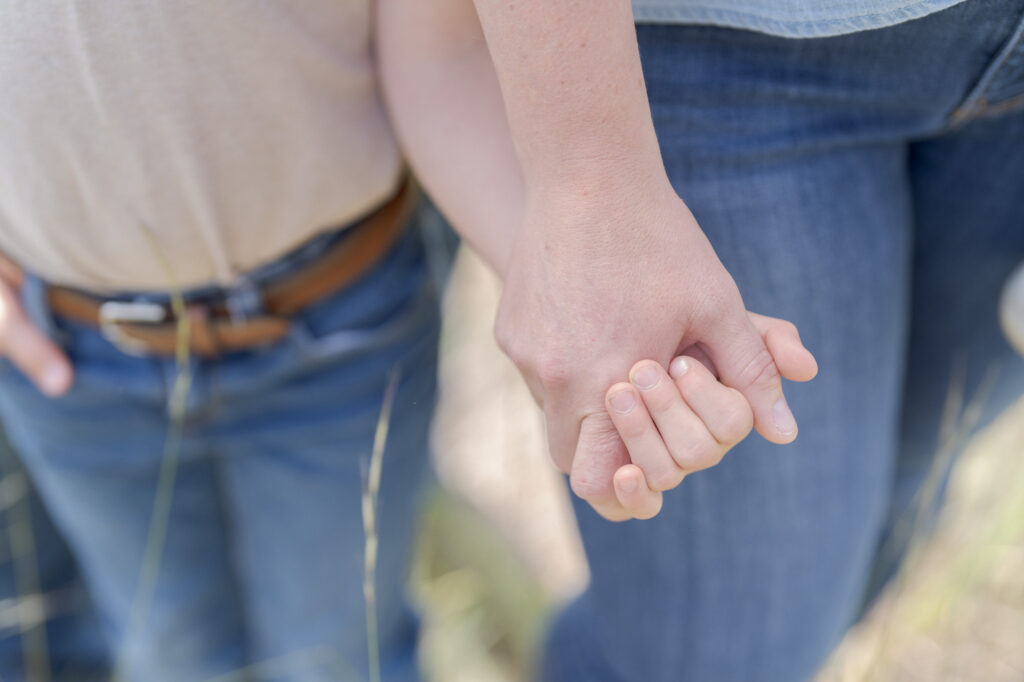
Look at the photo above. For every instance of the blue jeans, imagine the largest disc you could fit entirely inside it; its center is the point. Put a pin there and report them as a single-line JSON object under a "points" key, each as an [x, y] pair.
{"points": [[61, 640], [870, 188], [262, 562]]}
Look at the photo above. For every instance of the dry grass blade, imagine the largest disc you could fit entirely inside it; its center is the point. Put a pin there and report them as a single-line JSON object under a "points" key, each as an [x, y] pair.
{"points": [[371, 488], [160, 515]]}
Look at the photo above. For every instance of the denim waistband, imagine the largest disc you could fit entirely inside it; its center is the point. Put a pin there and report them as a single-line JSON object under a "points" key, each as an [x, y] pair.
{"points": [[244, 298]]}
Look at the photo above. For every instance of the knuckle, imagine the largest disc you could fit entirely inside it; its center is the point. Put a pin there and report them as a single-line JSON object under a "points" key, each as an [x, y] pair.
{"points": [[736, 427], [552, 371], [719, 303], [737, 421], [498, 327], [760, 372], [502, 335], [551, 368], [631, 429], [711, 304], [510, 345], [589, 488], [698, 456], [664, 478], [659, 402]]}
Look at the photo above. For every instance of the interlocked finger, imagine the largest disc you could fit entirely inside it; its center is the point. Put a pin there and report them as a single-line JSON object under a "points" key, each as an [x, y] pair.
{"points": [[689, 443], [646, 448], [722, 410]]}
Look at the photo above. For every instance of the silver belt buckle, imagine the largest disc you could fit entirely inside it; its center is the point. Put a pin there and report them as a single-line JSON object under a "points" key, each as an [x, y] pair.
{"points": [[113, 314]]}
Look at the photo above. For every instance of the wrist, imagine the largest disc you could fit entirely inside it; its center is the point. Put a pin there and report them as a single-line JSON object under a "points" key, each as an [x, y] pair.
{"points": [[593, 171], [602, 200]]}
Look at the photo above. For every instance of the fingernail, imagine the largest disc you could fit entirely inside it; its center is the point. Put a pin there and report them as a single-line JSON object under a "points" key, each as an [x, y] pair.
{"points": [[678, 367], [628, 484], [622, 402], [646, 377], [55, 380], [785, 424]]}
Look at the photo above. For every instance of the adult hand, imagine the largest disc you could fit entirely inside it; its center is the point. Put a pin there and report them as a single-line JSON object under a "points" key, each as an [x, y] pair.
{"points": [[684, 420], [29, 349], [596, 284]]}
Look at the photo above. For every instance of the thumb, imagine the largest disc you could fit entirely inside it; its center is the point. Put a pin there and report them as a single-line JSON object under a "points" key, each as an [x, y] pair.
{"points": [[30, 350], [794, 361], [745, 363]]}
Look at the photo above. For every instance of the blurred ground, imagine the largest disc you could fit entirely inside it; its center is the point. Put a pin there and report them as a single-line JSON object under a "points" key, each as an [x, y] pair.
{"points": [[501, 551]]}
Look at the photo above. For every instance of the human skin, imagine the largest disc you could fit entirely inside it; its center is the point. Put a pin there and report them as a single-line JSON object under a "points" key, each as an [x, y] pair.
{"points": [[685, 420], [700, 423], [542, 253], [603, 263], [29, 349]]}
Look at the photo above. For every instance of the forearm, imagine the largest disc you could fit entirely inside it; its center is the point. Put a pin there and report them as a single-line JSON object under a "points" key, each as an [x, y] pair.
{"points": [[446, 107], [574, 92]]}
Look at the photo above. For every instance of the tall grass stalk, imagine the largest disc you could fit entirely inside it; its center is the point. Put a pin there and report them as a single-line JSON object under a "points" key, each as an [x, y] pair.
{"points": [[371, 488], [160, 515]]}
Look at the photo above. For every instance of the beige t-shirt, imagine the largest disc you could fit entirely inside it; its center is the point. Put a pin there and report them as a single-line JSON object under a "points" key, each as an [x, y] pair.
{"points": [[233, 129]]}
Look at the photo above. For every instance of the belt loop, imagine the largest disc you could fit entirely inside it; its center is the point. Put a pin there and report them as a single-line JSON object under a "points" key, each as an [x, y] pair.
{"points": [[244, 300], [36, 304]]}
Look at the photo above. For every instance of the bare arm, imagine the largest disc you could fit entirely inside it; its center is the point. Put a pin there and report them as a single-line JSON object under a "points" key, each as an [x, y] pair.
{"points": [[557, 180], [446, 107], [606, 243], [574, 93]]}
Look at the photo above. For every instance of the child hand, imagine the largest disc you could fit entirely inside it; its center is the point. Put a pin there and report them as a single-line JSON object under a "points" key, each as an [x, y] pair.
{"points": [[684, 420]]}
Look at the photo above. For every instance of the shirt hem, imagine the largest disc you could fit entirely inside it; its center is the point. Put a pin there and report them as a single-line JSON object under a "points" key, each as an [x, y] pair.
{"points": [[785, 26]]}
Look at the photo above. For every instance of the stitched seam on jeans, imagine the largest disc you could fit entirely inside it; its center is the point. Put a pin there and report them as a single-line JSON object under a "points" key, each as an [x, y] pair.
{"points": [[969, 107]]}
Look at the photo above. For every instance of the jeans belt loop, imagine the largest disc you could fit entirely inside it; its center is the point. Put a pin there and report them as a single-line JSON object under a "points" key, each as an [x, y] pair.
{"points": [[36, 305], [244, 300]]}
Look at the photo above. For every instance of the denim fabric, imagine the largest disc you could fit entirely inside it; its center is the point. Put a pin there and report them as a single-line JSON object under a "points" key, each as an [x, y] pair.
{"points": [[870, 188], [59, 640], [788, 18], [263, 556]]}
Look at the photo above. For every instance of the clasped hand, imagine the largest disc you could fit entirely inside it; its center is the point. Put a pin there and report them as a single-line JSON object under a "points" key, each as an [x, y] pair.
{"points": [[599, 292]]}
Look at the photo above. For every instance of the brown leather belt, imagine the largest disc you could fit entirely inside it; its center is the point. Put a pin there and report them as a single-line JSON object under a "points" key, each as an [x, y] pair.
{"points": [[148, 328]]}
